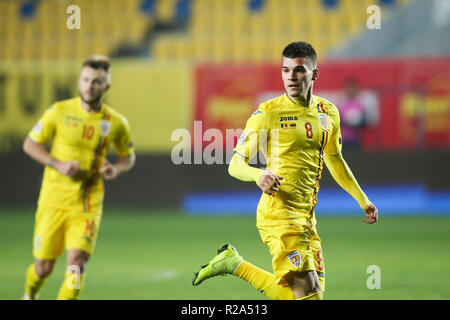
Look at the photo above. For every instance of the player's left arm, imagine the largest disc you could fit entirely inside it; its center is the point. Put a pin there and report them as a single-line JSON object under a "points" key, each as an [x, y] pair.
{"points": [[125, 150], [342, 174], [344, 177], [111, 171]]}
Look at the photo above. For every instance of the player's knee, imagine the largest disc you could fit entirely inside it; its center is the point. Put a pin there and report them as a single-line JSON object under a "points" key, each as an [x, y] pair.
{"points": [[77, 262], [303, 283], [314, 289], [43, 268], [76, 266], [315, 286], [301, 292]]}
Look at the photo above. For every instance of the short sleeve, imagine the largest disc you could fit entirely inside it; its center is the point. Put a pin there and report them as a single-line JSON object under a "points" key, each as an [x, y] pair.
{"points": [[45, 128], [334, 145], [256, 130], [123, 144]]}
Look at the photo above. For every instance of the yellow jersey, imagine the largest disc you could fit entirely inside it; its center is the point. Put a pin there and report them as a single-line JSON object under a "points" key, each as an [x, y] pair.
{"points": [[79, 135], [293, 137]]}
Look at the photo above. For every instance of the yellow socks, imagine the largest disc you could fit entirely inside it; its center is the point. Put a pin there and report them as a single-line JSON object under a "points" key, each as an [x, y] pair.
{"points": [[70, 290], [314, 296], [33, 284], [263, 281], [72, 286]]}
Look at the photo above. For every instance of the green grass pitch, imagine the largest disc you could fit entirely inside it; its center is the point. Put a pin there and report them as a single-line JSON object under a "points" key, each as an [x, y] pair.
{"points": [[145, 254]]}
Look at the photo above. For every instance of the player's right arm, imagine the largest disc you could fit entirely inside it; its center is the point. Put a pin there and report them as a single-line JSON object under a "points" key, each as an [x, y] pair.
{"points": [[38, 152], [246, 148], [33, 145], [266, 180]]}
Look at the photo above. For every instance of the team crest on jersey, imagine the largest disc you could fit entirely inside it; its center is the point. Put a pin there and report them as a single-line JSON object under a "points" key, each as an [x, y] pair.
{"points": [[323, 119], [295, 259], [105, 127]]}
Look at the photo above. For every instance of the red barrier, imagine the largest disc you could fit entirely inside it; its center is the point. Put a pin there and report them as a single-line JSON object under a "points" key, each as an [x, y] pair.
{"points": [[408, 99]]}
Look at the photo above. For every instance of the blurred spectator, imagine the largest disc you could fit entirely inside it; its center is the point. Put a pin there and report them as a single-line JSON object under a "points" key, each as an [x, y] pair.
{"points": [[354, 117]]}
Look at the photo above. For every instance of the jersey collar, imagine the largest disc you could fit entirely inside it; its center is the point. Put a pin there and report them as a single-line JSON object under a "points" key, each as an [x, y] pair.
{"points": [[301, 103], [87, 112]]}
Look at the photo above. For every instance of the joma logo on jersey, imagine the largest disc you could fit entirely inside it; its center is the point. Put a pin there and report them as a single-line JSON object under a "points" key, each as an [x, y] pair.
{"points": [[289, 118]]}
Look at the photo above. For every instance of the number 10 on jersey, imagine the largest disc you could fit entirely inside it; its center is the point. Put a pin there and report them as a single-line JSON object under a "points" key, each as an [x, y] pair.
{"points": [[88, 132]]}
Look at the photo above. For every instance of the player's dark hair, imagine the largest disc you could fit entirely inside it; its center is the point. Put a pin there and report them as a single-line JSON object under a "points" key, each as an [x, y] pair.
{"points": [[97, 62], [301, 49]]}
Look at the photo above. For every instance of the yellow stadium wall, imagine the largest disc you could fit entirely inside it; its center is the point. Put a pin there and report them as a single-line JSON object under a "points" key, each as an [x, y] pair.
{"points": [[155, 98]]}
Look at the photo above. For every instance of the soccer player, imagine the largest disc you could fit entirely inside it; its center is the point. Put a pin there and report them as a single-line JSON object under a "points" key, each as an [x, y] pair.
{"points": [[300, 132], [71, 197]]}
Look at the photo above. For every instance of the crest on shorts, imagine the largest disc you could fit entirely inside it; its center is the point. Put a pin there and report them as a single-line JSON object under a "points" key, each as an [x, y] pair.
{"points": [[105, 127], [295, 259], [323, 119]]}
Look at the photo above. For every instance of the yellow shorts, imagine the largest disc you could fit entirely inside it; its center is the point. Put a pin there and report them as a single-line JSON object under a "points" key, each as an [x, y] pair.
{"points": [[294, 250], [56, 228]]}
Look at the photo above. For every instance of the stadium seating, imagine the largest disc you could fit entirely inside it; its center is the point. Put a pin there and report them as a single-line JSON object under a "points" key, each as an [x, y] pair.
{"points": [[257, 30], [193, 30], [36, 30]]}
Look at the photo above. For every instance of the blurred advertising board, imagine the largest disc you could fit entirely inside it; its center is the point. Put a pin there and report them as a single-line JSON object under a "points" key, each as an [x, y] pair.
{"points": [[406, 101]]}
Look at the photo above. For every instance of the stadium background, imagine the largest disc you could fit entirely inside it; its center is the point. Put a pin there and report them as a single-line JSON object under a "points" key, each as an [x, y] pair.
{"points": [[179, 61]]}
